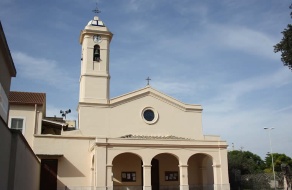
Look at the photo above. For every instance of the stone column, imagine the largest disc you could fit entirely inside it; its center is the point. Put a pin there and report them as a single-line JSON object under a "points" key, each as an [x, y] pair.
{"points": [[109, 177], [183, 177], [216, 176], [147, 177], [101, 165]]}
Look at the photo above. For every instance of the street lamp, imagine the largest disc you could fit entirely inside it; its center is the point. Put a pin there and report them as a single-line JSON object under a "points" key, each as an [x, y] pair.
{"points": [[267, 128]]}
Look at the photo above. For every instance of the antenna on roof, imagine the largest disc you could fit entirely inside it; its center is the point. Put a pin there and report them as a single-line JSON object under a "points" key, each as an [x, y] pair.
{"points": [[64, 113], [96, 11]]}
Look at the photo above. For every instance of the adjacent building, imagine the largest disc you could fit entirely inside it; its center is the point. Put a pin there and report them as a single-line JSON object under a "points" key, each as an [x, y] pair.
{"points": [[16, 156]]}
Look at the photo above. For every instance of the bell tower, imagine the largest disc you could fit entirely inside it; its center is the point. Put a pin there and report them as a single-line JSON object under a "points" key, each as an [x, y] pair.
{"points": [[95, 77]]}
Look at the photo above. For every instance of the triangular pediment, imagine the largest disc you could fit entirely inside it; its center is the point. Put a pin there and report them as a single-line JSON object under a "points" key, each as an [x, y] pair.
{"points": [[149, 91]]}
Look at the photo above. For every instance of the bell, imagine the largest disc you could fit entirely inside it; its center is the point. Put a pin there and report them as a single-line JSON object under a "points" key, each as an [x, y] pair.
{"points": [[96, 52]]}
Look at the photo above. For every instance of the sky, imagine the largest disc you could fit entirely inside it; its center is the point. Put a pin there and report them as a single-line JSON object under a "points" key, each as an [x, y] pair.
{"points": [[218, 54]]}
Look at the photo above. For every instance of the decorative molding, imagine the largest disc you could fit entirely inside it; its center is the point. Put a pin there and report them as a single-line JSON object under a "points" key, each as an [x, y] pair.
{"points": [[149, 91]]}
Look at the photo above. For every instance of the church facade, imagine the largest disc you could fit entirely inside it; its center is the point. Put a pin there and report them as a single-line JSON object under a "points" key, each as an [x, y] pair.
{"points": [[140, 140]]}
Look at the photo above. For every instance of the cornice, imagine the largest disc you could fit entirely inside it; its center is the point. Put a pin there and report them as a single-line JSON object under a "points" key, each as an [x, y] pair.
{"points": [[149, 91], [145, 145], [139, 143], [64, 137], [92, 32]]}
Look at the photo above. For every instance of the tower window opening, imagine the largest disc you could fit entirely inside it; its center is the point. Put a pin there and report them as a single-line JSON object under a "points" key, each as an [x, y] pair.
{"points": [[96, 53]]}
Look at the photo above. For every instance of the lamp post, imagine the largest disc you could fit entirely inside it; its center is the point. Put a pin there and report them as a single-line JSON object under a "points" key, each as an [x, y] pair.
{"points": [[269, 129]]}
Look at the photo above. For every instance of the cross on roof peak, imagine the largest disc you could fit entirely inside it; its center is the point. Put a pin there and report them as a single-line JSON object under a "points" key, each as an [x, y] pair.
{"points": [[148, 80]]}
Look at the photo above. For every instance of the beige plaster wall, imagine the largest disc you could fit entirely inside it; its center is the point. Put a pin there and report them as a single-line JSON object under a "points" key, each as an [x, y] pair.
{"points": [[26, 165], [27, 112], [126, 119], [74, 158], [16, 160]]}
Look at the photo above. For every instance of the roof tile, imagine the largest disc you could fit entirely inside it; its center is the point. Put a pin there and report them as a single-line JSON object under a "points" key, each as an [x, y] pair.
{"points": [[27, 98]]}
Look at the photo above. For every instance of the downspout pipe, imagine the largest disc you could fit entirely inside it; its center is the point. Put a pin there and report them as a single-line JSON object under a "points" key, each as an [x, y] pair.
{"points": [[35, 119]]}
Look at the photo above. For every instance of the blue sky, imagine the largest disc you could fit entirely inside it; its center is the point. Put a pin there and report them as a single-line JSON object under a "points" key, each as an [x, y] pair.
{"points": [[215, 53]]}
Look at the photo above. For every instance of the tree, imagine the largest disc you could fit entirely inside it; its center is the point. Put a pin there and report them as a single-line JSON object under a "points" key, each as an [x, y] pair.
{"points": [[278, 160], [245, 162], [285, 45], [241, 163]]}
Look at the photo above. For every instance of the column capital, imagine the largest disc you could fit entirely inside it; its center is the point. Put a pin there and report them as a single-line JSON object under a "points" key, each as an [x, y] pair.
{"points": [[216, 165], [183, 165]]}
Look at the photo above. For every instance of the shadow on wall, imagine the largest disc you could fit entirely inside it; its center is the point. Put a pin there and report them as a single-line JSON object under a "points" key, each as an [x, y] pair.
{"points": [[60, 185], [67, 169]]}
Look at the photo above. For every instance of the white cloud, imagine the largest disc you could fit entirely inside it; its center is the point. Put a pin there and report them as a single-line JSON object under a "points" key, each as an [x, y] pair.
{"points": [[227, 100], [244, 128], [172, 87], [139, 5], [44, 70], [249, 40]]}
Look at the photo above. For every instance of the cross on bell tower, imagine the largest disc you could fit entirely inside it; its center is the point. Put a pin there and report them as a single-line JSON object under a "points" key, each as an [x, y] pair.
{"points": [[96, 10]]}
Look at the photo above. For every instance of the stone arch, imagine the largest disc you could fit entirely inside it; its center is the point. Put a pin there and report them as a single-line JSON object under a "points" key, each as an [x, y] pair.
{"points": [[127, 171], [165, 171], [200, 171]]}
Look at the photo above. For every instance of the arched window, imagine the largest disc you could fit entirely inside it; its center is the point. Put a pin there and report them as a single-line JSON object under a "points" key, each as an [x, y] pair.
{"points": [[96, 53]]}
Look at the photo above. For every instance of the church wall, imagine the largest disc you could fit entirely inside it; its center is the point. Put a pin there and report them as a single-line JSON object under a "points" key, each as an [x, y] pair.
{"points": [[94, 121], [74, 158], [127, 119], [93, 92]]}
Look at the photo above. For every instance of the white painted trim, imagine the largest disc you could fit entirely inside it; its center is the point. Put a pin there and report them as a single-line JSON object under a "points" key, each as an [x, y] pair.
{"points": [[156, 115]]}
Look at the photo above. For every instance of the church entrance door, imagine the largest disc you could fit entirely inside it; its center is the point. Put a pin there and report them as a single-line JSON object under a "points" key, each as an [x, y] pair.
{"points": [[48, 179], [155, 174]]}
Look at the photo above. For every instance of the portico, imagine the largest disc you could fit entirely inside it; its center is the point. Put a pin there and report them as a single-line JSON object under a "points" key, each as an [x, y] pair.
{"points": [[137, 164]]}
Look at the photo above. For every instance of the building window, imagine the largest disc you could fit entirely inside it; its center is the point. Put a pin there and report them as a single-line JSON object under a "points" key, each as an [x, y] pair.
{"points": [[96, 53], [149, 115], [17, 123]]}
